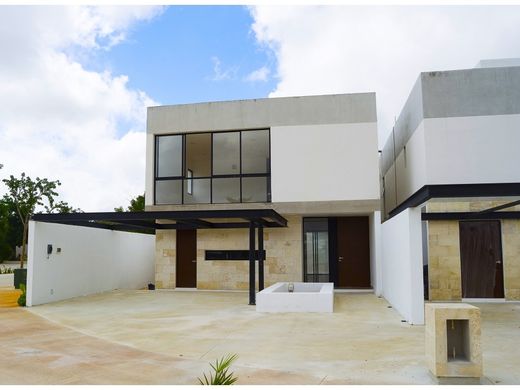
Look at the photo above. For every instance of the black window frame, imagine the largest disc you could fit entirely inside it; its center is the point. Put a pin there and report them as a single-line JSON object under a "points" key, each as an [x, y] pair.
{"points": [[184, 176]]}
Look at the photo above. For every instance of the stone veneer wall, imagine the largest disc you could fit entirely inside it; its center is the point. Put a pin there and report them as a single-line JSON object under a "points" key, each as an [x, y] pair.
{"points": [[511, 258], [444, 270], [283, 248], [444, 261]]}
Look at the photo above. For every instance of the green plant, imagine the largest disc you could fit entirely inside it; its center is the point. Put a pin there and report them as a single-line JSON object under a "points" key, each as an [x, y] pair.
{"points": [[21, 299], [221, 375], [6, 270]]}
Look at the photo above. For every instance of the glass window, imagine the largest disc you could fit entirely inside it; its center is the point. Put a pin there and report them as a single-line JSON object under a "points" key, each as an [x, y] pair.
{"points": [[200, 191], [316, 249], [226, 153], [169, 156], [254, 189], [198, 154], [226, 190], [168, 192], [255, 151]]}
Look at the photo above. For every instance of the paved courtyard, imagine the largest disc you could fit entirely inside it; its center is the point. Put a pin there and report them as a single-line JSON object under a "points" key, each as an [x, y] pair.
{"points": [[169, 337]]}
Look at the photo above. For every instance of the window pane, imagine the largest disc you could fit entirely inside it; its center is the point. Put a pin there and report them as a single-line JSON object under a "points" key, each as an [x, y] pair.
{"points": [[254, 189], [198, 154], [226, 153], [199, 193], [168, 191], [169, 155], [255, 151], [226, 190]]}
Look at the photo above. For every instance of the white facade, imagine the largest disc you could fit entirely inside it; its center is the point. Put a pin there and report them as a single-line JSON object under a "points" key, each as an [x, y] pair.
{"points": [[337, 162]]}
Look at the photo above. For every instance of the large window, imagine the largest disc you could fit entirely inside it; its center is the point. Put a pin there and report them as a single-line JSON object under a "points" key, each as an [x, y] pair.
{"points": [[218, 167]]}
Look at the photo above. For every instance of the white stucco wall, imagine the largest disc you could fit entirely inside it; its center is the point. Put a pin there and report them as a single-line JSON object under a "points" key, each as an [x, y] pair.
{"points": [[91, 261], [324, 162], [402, 264], [376, 268], [474, 149]]}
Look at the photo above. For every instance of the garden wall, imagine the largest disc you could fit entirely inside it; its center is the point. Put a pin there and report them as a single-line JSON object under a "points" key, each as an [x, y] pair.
{"points": [[90, 261], [402, 264]]}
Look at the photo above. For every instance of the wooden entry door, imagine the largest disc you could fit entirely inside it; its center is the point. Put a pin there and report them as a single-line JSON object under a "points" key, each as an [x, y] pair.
{"points": [[353, 252], [186, 272], [481, 259]]}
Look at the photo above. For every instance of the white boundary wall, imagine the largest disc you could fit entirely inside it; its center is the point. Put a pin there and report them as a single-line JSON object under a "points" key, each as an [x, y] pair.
{"points": [[91, 261], [403, 264], [375, 253]]}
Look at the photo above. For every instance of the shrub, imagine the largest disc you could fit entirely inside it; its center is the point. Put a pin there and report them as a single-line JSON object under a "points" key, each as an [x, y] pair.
{"points": [[21, 299], [221, 372]]}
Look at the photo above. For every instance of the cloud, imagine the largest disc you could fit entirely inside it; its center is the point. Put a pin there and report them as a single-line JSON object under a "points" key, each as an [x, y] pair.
{"points": [[220, 74], [346, 49], [61, 121], [260, 74]]}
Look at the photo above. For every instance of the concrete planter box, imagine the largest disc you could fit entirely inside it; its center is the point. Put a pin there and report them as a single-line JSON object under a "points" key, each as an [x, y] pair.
{"points": [[6, 280], [307, 297]]}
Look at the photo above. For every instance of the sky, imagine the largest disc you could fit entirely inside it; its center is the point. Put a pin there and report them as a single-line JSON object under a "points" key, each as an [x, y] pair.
{"points": [[75, 81]]}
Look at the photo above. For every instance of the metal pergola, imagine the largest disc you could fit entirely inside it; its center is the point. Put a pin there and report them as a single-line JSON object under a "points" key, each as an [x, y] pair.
{"points": [[149, 221]]}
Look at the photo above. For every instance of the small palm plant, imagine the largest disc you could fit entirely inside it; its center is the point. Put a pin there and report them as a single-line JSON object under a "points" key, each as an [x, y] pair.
{"points": [[221, 375]]}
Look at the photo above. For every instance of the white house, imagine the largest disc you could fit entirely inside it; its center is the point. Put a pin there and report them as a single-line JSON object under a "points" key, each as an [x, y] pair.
{"points": [[312, 159]]}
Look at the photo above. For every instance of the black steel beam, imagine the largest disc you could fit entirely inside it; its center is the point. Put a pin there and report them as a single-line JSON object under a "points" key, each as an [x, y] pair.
{"points": [[433, 191], [197, 217], [469, 215], [260, 258], [252, 277], [501, 207]]}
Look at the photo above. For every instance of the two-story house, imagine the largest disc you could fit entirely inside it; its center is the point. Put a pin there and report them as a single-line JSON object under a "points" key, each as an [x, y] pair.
{"points": [[313, 159]]}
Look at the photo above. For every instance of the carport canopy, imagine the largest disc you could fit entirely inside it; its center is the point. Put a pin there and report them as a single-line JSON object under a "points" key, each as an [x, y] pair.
{"points": [[150, 221]]}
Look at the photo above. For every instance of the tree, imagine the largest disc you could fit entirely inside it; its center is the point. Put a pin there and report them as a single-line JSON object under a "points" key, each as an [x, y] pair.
{"points": [[25, 195], [136, 204]]}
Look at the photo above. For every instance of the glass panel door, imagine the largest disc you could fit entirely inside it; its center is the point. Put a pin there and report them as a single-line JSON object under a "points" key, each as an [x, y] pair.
{"points": [[316, 250]]}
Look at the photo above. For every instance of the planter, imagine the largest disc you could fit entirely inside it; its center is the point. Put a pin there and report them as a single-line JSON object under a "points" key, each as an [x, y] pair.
{"points": [[20, 276], [6, 280]]}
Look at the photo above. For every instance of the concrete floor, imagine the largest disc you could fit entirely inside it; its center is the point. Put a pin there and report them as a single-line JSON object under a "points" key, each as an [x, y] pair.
{"points": [[169, 337]]}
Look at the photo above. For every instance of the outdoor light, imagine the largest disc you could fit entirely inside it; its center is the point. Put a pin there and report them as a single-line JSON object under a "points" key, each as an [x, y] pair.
{"points": [[290, 287]]}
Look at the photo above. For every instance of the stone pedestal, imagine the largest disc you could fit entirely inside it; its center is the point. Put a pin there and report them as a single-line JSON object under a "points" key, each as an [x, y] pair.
{"points": [[453, 340]]}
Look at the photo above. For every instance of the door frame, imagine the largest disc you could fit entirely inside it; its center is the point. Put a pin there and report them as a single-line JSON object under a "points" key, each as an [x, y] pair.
{"points": [[333, 246], [501, 256], [177, 258]]}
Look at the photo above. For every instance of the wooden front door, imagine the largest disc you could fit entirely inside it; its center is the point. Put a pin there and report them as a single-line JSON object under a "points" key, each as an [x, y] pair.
{"points": [[481, 259], [353, 252], [186, 272]]}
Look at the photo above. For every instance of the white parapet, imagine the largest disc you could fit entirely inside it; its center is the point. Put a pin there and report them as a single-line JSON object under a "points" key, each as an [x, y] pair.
{"points": [[306, 297]]}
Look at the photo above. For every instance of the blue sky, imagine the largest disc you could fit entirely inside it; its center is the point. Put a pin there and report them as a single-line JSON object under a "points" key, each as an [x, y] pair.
{"points": [[76, 80], [173, 57]]}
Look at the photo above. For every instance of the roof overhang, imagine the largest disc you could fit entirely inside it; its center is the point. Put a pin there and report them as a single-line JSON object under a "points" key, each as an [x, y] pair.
{"points": [[150, 221]]}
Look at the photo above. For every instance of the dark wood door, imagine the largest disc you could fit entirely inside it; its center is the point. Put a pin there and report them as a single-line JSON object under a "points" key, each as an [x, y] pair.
{"points": [[353, 252], [186, 272], [481, 259]]}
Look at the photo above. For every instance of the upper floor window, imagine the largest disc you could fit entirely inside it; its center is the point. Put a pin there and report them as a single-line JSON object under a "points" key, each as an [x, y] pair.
{"points": [[218, 167]]}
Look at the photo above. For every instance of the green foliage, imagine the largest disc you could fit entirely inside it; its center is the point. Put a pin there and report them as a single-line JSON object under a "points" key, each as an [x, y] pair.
{"points": [[6, 270], [21, 299], [136, 204], [221, 375], [23, 196]]}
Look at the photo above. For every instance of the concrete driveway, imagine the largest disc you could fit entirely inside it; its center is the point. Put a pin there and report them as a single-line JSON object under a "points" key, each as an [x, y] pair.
{"points": [[169, 337]]}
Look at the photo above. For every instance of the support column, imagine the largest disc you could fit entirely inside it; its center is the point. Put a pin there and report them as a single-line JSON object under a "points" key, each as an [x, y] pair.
{"points": [[252, 277], [260, 258]]}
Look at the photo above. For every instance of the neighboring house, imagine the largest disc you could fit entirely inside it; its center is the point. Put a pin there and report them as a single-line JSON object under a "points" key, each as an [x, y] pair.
{"points": [[312, 159], [454, 153]]}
